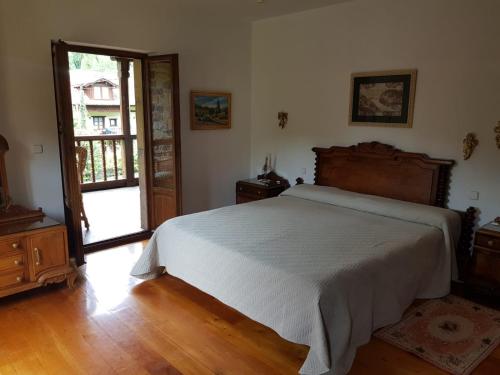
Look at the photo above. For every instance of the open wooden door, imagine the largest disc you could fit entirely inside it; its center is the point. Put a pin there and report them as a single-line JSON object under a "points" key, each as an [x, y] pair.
{"points": [[162, 133], [158, 140], [71, 188]]}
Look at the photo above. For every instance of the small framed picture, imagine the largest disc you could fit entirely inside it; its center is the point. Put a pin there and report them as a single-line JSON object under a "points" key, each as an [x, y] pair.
{"points": [[210, 110], [383, 98]]}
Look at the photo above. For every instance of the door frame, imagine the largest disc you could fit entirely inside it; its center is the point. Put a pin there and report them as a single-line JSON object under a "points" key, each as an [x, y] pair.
{"points": [[62, 87]]}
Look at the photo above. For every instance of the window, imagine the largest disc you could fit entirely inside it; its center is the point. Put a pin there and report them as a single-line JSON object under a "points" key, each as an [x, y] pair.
{"points": [[100, 92], [98, 122], [105, 92], [97, 92], [113, 122]]}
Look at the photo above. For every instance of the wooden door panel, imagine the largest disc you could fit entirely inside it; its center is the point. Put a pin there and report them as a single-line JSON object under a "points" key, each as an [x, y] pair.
{"points": [[164, 206], [71, 185], [163, 134], [47, 251]]}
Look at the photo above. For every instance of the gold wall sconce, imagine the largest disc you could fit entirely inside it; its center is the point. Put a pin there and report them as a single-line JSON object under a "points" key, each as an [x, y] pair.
{"points": [[470, 144], [283, 119]]}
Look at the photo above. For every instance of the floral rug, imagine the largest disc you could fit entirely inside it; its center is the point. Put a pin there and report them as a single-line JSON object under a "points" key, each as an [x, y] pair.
{"points": [[451, 333]]}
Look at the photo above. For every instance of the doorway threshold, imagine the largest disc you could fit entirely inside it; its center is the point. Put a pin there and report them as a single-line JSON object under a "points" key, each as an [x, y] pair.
{"points": [[118, 241]]}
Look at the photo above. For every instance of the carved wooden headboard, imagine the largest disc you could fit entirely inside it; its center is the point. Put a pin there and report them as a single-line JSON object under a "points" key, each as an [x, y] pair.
{"points": [[379, 169]]}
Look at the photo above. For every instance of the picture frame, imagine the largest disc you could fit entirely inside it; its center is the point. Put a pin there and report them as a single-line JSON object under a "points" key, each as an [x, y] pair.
{"points": [[210, 110], [383, 98]]}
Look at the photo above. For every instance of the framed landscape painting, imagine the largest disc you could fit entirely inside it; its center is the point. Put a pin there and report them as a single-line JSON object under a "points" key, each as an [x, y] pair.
{"points": [[210, 110], [383, 98]]}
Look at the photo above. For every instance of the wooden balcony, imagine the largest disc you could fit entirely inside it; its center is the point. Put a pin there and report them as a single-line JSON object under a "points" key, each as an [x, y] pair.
{"points": [[111, 161]]}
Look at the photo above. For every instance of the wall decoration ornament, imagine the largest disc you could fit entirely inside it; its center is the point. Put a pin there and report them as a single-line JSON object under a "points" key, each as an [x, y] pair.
{"points": [[383, 98], [283, 118], [497, 131], [470, 143]]}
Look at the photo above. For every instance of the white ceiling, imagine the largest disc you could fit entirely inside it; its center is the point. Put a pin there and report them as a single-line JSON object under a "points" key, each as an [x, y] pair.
{"points": [[250, 9]]}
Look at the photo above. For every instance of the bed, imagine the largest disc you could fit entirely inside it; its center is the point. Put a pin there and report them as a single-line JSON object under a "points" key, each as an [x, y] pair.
{"points": [[325, 265]]}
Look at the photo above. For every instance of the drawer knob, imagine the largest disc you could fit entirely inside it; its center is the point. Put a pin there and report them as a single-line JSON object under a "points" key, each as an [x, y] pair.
{"points": [[19, 279], [490, 243], [15, 245], [18, 262]]}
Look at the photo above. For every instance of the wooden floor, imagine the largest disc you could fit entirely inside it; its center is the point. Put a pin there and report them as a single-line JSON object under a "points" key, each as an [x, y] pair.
{"points": [[111, 323]]}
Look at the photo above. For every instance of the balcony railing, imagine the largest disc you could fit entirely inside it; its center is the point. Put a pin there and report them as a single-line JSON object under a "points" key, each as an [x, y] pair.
{"points": [[106, 161]]}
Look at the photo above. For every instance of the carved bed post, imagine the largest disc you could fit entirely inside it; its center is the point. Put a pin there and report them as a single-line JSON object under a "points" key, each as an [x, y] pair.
{"points": [[465, 241], [443, 185]]}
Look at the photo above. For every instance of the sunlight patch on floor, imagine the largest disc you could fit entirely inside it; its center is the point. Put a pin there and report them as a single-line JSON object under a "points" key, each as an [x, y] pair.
{"points": [[109, 279]]}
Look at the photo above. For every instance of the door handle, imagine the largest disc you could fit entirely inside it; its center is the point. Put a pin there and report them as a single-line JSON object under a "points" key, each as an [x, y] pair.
{"points": [[36, 252]]}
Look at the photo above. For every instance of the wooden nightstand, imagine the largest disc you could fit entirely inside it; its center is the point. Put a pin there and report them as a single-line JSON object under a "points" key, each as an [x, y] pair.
{"points": [[254, 189], [484, 273]]}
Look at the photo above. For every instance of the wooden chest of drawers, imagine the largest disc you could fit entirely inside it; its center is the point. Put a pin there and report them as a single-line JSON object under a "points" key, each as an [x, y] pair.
{"points": [[484, 273], [32, 255]]}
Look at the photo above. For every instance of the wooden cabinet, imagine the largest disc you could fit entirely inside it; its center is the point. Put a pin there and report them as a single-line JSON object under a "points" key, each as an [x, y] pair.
{"points": [[48, 251], [484, 272], [254, 189], [32, 255]]}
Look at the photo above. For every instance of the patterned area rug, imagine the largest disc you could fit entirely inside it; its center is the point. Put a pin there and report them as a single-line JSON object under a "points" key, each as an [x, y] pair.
{"points": [[452, 333]]}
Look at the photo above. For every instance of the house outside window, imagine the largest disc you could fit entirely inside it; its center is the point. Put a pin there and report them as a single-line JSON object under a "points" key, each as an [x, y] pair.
{"points": [[105, 93], [113, 122], [97, 92], [98, 122]]}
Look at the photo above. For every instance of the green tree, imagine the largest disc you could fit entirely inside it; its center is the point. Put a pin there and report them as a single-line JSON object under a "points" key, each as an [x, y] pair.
{"points": [[87, 61], [75, 60]]}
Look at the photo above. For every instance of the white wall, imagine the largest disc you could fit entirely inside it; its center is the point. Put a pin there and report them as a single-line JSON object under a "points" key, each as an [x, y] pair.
{"points": [[302, 63], [214, 54]]}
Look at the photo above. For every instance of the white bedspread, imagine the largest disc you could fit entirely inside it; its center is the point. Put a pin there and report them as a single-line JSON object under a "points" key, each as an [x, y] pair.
{"points": [[321, 266]]}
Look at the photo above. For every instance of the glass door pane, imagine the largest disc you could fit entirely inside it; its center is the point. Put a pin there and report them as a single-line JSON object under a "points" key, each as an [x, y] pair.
{"points": [[162, 121]]}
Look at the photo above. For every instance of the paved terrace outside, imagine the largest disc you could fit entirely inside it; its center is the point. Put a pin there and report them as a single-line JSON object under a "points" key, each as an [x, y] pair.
{"points": [[111, 213]]}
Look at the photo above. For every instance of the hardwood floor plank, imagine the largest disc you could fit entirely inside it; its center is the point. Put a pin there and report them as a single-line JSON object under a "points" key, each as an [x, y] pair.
{"points": [[181, 308], [30, 364], [382, 357], [114, 324], [234, 324], [7, 370], [200, 343], [69, 339], [119, 360], [152, 355]]}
